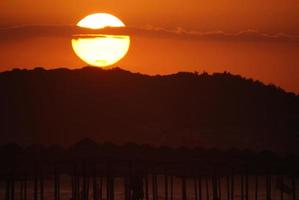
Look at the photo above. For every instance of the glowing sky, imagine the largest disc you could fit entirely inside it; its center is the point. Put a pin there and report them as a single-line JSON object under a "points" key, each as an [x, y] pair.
{"points": [[257, 38]]}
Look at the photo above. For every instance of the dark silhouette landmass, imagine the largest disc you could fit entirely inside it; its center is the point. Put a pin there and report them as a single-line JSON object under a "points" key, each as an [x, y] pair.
{"points": [[221, 110], [182, 161]]}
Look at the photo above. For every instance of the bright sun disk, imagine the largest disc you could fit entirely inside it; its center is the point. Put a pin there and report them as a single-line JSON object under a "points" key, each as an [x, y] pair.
{"points": [[101, 50]]}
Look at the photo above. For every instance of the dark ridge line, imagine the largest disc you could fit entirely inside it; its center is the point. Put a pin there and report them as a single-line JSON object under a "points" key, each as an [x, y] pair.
{"points": [[194, 74]]}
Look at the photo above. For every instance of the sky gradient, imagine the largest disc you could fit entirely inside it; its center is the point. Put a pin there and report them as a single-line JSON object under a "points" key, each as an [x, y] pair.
{"points": [[256, 39]]}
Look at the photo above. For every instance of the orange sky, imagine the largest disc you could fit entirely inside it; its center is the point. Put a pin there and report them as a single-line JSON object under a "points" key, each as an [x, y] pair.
{"points": [[225, 15], [260, 54]]}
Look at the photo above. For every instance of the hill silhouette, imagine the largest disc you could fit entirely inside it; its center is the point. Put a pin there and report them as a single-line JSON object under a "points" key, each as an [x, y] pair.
{"points": [[221, 110], [130, 155]]}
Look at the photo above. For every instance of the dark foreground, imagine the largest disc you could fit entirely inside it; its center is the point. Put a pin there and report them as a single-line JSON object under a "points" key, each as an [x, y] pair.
{"points": [[91, 171]]}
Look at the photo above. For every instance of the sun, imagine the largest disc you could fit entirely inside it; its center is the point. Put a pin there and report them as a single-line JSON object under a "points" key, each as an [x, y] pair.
{"points": [[100, 20], [99, 49]]}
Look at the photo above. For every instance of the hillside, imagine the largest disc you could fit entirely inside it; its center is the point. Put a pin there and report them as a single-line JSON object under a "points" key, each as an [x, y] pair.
{"points": [[221, 110]]}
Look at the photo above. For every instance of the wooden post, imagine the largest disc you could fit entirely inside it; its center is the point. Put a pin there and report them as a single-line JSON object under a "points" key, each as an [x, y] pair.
{"points": [[146, 187], [195, 187], [73, 184], [268, 187], [56, 185], [242, 187], [110, 187], [84, 181], [127, 187], [35, 190], [246, 187], [21, 189], [219, 187], [154, 187], [199, 188], [207, 187], [85, 186], [95, 186], [294, 187], [184, 191], [232, 187], [157, 187], [7, 190], [214, 187], [41, 187], [171, 187], [76, 187], [25, 188], [227, 187], [281, 190], [256, 187], [12, 196], [166, 186], [101, 188], [73, 180]]}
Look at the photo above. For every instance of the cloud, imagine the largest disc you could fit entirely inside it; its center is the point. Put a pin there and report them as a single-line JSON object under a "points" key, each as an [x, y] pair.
{"points": [[68, 31], [28, 32], [247, 35]]}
